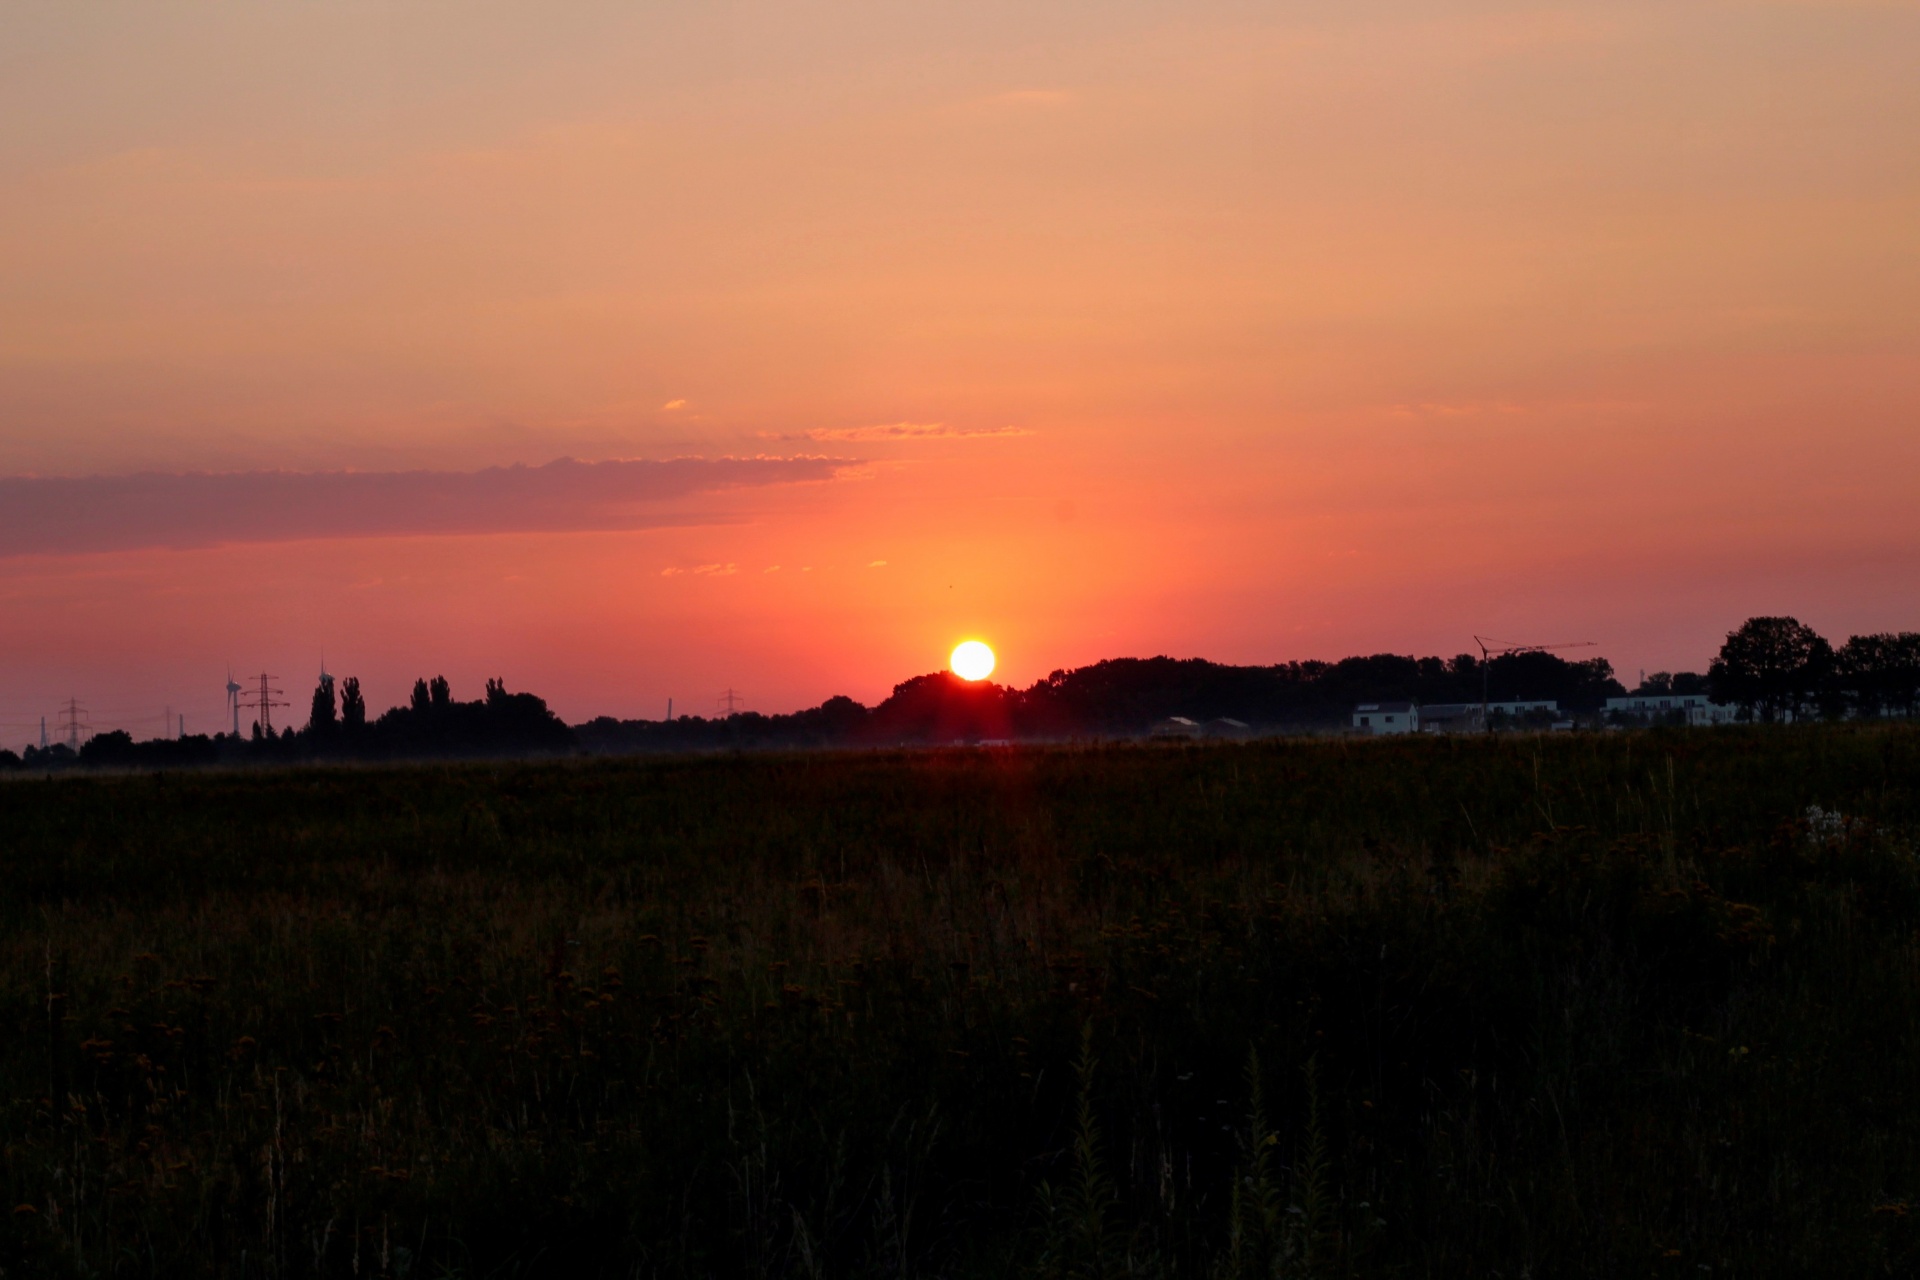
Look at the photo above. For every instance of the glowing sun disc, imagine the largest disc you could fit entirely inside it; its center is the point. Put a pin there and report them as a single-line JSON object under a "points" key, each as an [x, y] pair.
{"points": [[971, 660]]}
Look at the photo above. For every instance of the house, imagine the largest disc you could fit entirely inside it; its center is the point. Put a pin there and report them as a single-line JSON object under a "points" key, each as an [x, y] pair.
{"points": [[1452, 717], [1386, 717], [1521, 708], [1695, 708], [1176, 727]]}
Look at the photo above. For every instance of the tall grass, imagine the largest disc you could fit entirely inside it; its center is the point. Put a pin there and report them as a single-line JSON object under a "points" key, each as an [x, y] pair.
{"points": [[1598, 1005]]}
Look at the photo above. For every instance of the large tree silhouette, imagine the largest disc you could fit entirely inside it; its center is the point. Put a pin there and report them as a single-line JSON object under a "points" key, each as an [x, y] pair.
{"points": [[353, 707], [1772, 667], [1882, 672], [325, 716]]}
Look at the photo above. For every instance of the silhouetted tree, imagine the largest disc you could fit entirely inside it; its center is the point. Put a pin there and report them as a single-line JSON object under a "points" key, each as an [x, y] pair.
{"points": [[353, 708], [325, 717], [115, 747], [1771, 667], [56, 756], [1535, 676], [1881, 672], [441, 692], [422, 697], [1661, 683]]}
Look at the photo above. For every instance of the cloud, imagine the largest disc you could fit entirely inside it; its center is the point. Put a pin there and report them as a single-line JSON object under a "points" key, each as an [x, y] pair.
{"points": [[903, 431], [876, 564], [674, 404], [69, 515]]}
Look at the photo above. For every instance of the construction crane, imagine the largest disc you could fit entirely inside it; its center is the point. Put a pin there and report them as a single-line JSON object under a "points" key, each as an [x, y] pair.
{"points": [[1491, 648]]}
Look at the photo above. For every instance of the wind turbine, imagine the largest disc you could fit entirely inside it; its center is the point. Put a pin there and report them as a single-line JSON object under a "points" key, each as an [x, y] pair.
{"points": [[233, 699]]}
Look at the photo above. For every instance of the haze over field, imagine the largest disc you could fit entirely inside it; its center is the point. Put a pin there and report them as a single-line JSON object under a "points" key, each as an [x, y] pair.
{"points": [[1244, 331]]}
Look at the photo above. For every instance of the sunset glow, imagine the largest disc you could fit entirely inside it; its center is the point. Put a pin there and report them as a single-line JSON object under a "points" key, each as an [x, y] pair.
{"points": [[971, 660], [1255, 334]]}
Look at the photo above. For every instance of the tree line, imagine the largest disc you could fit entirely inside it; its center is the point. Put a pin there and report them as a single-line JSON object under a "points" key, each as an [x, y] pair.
{"points": [[1771, 668], [432, 724], [1778, 668], [1122, 697]]}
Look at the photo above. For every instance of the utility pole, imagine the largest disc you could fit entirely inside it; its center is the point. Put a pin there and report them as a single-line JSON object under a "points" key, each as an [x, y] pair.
{"points": [[43, 733], [732, 701]]}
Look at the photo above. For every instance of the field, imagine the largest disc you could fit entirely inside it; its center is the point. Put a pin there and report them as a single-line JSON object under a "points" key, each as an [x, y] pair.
{"points": [[1587, 1005]]}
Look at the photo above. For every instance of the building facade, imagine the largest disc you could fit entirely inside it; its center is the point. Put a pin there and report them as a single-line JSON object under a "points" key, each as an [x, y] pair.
{"points": [[1653, 708], [1386, 717]]}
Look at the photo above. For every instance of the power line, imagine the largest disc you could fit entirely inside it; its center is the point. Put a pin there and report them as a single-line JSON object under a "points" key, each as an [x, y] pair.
{"points": [[263, 702], [730, 700], [74, 723]]}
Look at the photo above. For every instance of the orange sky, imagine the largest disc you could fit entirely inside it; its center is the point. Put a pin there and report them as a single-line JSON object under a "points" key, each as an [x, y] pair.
{"points": [[1242, 331]]}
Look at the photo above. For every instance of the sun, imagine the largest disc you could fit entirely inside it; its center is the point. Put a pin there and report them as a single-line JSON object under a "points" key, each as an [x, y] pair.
{"points": [[971, 660]]}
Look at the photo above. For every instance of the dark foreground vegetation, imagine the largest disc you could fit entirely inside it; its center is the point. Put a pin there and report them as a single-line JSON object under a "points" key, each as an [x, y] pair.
{"points": [[1590, 1005]]}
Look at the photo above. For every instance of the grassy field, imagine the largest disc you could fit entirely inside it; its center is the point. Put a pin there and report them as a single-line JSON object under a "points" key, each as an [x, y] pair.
{"points": [[1596, 1005]]}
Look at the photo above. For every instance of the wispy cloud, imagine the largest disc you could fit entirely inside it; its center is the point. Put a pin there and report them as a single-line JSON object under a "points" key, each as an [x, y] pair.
{"points": [[901, 431], [65, 515]]}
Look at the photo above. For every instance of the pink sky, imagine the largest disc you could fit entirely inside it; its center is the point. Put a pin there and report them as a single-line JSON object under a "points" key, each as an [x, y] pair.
{"points": [[1209, 329]]}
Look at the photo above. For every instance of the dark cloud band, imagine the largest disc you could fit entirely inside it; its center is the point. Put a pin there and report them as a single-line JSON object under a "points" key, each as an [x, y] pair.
{"points": [[66, 515]]}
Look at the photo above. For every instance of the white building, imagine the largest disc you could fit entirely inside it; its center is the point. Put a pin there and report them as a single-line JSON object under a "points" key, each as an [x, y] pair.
{"points": [[1452, 717], [1698, 708], [1521, 708], [1387, 717]]}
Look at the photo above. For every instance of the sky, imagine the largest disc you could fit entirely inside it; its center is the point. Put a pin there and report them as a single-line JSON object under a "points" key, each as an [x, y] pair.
{"points": [[629, 352]]}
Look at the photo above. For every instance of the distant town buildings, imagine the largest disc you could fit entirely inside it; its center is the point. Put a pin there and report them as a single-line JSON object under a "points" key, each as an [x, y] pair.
{"points": [[1542, 713], [1180, 727], [1524, 708], [1692, 708], [1387, 717], [1451, 717]]}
